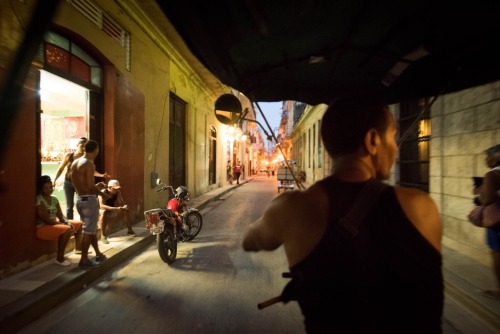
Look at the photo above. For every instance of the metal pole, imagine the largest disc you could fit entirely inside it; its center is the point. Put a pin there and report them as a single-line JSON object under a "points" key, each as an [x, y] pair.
{"points": [[299, 184]]}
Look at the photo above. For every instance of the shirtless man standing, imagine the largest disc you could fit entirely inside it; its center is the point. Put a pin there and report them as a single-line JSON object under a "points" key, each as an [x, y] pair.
{"points": [[82, 176]]}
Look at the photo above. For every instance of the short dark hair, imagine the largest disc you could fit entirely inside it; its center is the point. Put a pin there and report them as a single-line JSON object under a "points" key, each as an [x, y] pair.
{"points": [[91, 146], [348, 119], [493, 153], [492, 150], [41, 182]]}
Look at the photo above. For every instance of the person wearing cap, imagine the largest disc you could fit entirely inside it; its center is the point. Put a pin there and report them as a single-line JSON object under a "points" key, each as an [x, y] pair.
{"points": [[113, 207], [488, 194]]}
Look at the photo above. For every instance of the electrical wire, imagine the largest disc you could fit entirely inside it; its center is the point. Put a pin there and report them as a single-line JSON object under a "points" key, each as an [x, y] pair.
{"points": [[299, 184]]}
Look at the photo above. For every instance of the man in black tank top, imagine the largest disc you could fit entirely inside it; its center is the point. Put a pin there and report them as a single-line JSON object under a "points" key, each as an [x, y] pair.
{"points": [[380, 273], [113, 207]]}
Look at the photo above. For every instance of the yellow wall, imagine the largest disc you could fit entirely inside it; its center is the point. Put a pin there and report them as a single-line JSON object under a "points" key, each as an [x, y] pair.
{"points": [[306, 125], [157, 69]]}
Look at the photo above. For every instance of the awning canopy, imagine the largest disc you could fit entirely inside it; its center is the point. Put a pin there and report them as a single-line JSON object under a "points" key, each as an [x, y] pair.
{"points": [[313, 50]]}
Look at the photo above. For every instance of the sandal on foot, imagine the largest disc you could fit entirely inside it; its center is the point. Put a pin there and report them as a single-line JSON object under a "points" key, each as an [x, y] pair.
{"points": [[132, 233], [100, 258], [88, 264], [65, 263]]}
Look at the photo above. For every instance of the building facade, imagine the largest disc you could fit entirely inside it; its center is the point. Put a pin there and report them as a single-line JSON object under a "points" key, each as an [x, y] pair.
{"points": [[105, 71]]}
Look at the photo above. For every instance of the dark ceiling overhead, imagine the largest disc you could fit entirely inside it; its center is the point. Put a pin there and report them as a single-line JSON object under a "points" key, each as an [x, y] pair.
{"points": [[313, 50]]}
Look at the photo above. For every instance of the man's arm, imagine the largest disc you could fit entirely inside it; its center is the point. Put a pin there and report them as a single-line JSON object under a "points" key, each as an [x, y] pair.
{"points": [[120, 202], [63, 164], [100, 192], [60, 215], [104, 175], [89, 177], [43, 214], [266, 233], [104, 206], [487, 194]]}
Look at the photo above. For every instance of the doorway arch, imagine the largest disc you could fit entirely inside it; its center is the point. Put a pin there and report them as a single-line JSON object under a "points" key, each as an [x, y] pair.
{"points": [[70, 104]]}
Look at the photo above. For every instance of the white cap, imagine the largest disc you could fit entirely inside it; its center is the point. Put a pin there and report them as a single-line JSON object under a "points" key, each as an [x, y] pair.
{"points": [[114, 184]]}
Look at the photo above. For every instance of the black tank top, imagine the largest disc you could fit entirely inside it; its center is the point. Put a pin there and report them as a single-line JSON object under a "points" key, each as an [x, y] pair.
{"points": [[387, 279], [110, 201]]}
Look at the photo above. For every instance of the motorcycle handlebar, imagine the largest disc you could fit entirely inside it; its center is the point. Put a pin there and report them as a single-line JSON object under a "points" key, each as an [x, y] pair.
{"points": [[163, 188]]}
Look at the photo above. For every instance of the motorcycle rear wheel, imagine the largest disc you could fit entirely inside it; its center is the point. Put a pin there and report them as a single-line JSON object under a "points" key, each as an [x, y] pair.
{"points": [[194, 221], [167, 246]]}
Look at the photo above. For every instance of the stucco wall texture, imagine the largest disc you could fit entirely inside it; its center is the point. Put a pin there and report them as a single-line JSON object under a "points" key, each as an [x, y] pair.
{"points": [[464, 124]]}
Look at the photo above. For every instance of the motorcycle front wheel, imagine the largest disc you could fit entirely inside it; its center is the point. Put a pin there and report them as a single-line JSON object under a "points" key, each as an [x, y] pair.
{"points": [[167, 246], [194, 221]]}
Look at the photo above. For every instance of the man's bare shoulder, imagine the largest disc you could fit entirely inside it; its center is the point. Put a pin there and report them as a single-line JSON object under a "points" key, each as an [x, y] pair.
{"points": [[421, 210], [412, 194], [82, 163], [67, 156], [80, 160], [292, 207], [300, 198]]}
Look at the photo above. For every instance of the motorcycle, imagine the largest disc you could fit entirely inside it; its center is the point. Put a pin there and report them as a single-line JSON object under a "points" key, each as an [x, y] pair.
{"points": [[175, 223]]}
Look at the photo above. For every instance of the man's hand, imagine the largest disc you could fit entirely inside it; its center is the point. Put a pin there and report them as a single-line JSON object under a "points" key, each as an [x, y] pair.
{"points": [[101, 186]]}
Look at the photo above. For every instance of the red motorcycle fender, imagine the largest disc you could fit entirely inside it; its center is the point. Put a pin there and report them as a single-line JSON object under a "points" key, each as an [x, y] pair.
{"points": [[173, 204]]}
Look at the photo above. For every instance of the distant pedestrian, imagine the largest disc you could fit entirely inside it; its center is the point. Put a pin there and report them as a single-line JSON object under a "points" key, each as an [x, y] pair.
{"points": [[237, 172]]}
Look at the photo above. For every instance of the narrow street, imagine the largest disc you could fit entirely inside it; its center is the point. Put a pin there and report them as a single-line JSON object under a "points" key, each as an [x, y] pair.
{"points": [[212, 287]]}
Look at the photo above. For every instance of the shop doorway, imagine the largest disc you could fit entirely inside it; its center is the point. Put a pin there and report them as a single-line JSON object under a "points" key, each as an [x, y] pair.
{"points": [[64, 119]]}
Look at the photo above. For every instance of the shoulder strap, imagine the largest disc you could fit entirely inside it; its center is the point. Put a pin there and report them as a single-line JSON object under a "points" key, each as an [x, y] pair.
{"points": [[348, 227], [349, 224]]}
